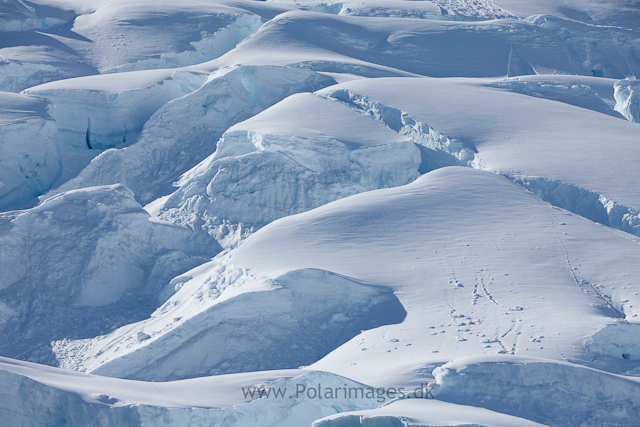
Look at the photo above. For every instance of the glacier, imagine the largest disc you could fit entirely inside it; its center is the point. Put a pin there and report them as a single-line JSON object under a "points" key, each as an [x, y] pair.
{"points": [[319, 213]]}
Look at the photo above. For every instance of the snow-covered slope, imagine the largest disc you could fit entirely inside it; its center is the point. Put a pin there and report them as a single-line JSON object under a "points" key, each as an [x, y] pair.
{"points": [[319, 213]]}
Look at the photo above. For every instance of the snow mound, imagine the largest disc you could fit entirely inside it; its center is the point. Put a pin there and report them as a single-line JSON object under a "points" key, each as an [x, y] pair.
{"points": [[80, 261], [627, 94], [293, 320], [505, 129], [30, 162], [184, 131], [553, 393], [494, 280], [286, 160]]}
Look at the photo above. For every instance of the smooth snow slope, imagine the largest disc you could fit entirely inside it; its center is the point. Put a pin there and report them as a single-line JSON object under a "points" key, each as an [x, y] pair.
{"points": [[438, 195]]}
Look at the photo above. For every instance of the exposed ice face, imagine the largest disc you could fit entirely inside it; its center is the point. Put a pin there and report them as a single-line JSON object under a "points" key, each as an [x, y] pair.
{"points": [[627, 94], [29, 158], [184, 131], [100, 112], [85, 257]]}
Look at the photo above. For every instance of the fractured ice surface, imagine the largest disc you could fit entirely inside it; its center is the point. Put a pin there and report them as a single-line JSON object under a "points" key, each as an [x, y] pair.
{"points": [[29, 157], [79, 253], [627, 94], [186, 130]]}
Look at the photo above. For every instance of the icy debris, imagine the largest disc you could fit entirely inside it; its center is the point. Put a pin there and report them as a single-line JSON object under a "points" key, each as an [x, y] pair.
{"points": [[627, 94], [473, 10], [100, 112], [184, 131], [379, 8], [293, 320], [29, 161], [553, 393]]}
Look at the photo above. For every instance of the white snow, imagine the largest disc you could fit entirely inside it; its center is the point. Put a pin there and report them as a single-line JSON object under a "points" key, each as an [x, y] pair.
{"points": [[205, 202]]}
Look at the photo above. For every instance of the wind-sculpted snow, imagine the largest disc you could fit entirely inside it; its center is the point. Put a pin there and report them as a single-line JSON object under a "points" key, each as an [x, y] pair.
{"points": [[80, 262], [627, 94], [294, 320], [613, 13], [59, 40], [422, 134], [29, 161], [184, 131], [553, 393], [39, 396], [492, 281], [439, 48]]}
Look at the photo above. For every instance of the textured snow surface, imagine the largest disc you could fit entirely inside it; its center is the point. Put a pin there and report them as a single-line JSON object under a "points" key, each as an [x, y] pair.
{"points": [[376, 213], [30, 161]]}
